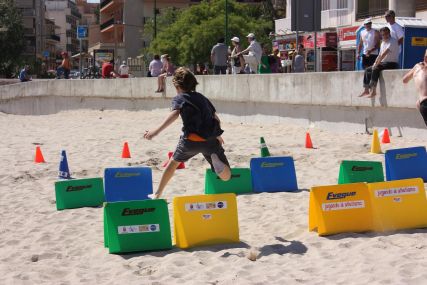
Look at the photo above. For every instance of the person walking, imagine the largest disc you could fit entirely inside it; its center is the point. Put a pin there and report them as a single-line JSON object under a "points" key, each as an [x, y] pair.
{"points": [[387, 59], [237, 61], [167, 70], [274, 60], [155, 67], [368, 45], [252, 54], [298, 64], [264, 66], [219, 56]]}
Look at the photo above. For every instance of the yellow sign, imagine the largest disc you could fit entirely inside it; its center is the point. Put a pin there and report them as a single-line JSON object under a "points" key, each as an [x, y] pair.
{"points": [[205, 220], [399, 204], [340, 208], [419, 41]]}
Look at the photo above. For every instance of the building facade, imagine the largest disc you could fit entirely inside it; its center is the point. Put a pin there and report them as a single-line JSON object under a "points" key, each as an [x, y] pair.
{"points": [[50, 52]]}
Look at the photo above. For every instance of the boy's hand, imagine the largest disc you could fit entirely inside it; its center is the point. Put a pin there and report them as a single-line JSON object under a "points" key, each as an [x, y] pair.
{"points": [[150, 134], [221, 141]]}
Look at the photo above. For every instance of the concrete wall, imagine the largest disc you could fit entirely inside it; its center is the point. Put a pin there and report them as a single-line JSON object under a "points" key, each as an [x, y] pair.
{"points": [[325, 100]]}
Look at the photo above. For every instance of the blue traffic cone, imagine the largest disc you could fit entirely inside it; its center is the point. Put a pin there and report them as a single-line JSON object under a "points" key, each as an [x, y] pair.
{"points": [[64, 172]]}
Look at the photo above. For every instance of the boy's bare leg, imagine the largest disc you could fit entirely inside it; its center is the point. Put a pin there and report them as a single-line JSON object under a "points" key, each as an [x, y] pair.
{"points": [[365, 92], [373, 92], [166, 176], [221, 169]]}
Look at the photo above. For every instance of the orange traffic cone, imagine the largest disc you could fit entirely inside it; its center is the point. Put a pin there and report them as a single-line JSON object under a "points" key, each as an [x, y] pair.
{"points": [[126, 152], [39, 156], [308, 143], [180, 166], [386, 137]]}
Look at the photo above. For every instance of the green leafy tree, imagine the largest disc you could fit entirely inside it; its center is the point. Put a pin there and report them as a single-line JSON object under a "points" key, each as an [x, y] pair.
{"points": [[11, 37], [189, 39]]}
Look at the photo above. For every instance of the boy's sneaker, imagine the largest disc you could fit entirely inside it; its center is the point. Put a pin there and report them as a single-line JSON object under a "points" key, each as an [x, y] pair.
{"points": [[218, 165]]}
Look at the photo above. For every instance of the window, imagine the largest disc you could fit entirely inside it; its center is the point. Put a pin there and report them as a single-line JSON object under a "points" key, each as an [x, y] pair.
{"points": [[421, 4], [369, 8]]}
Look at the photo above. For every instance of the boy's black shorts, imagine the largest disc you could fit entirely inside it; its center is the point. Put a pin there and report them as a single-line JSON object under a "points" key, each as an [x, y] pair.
{"points": [[423, 110], [186, 149]]}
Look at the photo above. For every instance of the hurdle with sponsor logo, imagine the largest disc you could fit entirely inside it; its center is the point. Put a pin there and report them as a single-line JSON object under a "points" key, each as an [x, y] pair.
{"points": [[128, 183], [406, 163], [340, 208], [78, 193], [399, 204], [273, 174], [137, 226], [239, 183], [205, 220], [360, 171]]}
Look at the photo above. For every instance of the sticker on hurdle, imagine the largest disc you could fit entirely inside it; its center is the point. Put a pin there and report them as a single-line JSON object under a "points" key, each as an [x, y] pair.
{"points": [[273, 174], [137, 226], [205, 220], [128, 183], [398, 204], [340, 208], [79, 193], [360, 171], [239, 183], [406, 163]]}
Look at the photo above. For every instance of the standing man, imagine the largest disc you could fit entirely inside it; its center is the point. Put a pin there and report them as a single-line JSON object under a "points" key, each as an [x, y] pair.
{"points": [[254, 53], [219, 56], [387, 59], [298, 64], [419, 74], [396, 30], [368, 45]]}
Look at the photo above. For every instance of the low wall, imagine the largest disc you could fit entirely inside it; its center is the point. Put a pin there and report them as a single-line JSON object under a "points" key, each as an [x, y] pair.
{"points": [[326, 100]]}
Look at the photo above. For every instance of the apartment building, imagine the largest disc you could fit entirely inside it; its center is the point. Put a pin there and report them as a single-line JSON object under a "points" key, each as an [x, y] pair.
{"points": [[67, 17], [51, 43], [33, 13], [91, 20]]}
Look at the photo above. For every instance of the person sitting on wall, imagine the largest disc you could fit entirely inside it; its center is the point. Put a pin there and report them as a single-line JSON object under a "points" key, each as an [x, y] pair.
{"points": [[65, 67], [368, 45], [419, 74], [108, 69], [23, 75], [387, 59]]}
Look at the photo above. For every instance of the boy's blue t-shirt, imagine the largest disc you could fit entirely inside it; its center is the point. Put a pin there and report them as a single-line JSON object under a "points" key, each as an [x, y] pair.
{"points": [[198, 115], [23, 75]]}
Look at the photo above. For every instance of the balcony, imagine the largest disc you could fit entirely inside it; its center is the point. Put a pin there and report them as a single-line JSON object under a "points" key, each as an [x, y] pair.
{"points": [[335, 18], [107, 24], [54, 38], [105, 3], [110, 6], [371, 8]]}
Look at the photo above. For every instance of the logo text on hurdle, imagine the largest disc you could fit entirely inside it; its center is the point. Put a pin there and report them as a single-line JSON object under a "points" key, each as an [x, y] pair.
{"points": [[334, 196], [134, 212], [272, 164], [126, 174], [343, 205], [77, 188], [361, 168], [396, 191], [406, 155]]}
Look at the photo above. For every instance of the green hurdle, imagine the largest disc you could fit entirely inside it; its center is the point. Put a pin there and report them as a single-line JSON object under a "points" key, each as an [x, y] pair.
{"points": [[77, 193], [239, 183], [360, 171], [137, 226]]}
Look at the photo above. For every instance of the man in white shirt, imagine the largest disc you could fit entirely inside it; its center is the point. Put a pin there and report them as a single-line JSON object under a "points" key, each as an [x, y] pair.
{"points": [[124, 70], [387, 59], [396, 30], [368, 45], [254, 53]]}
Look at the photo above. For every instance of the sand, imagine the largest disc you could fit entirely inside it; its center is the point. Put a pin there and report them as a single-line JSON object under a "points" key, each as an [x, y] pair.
{"points": [[39, 245]]}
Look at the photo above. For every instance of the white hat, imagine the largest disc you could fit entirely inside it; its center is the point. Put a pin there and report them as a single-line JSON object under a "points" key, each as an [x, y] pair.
{"points": [[367, 21], [235, 39], [251, 35]]}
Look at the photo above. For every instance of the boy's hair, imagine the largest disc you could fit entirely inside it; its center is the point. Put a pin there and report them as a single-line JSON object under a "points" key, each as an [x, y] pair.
{"points": [[156, 57], [184, 79], [385, 29]]}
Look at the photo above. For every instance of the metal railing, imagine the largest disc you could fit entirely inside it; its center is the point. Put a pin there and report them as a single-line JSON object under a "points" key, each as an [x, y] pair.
{"points": [[107, 23], [105, 3]]}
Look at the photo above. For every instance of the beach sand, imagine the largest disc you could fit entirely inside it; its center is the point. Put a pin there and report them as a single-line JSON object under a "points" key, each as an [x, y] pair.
{"points": [[39, 245]]}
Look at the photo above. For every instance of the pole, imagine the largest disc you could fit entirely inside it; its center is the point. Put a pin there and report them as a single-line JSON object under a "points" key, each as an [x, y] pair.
{"points": [[80, 61], [315, 51], [296, 41], [226, 22], [155, 18]]}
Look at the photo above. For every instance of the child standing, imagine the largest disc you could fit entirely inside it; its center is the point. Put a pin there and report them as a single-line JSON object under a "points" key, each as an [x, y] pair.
{"points": [[201, 129]]}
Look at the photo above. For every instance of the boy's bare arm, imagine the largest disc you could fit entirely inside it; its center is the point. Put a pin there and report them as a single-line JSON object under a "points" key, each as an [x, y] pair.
{"points": [[166, 123], [408, 76]]}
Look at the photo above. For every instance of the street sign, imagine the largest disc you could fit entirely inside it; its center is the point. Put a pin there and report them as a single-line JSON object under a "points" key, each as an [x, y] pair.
{"points": [[82, 32], [46, 53]]}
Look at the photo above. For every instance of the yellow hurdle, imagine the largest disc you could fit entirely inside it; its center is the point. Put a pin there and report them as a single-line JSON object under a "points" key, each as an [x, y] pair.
{"points": [[340, 208], [205, 220], [398, 204]]}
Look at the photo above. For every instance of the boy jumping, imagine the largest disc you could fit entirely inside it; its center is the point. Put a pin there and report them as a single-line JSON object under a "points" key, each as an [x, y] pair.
{"points": [[419, 73], [201, 129]]}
